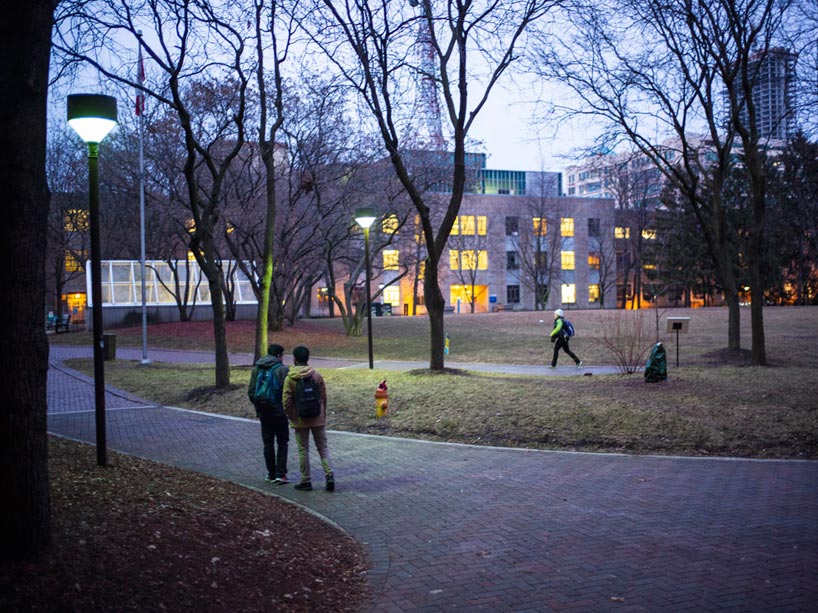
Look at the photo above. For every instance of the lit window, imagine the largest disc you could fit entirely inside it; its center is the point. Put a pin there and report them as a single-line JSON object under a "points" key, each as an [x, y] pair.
{"points": [[649, 267], [391, 259], [593, 261], [621, 232], [230, 228], [569, 293], [649, 234], [72, 264], [190, 224], [482, 260], [567, 258], [467, 259], [456, 226], [391, 295], [593, 293], [389, 225], [75, 220], [467, 225], [482, 225], [567, 226], [540, 226], [454, 259]]}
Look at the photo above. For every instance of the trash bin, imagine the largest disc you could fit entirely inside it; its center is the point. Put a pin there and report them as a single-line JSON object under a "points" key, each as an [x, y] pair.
{"points": [[656, 367], [109, 346]]}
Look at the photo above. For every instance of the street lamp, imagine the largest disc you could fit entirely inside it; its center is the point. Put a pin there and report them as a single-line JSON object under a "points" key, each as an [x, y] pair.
{"points": [[365, 217], [93, 116]]}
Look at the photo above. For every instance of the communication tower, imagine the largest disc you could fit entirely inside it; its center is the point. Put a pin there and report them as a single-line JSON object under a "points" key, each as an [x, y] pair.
{"points": [[427, 105]]}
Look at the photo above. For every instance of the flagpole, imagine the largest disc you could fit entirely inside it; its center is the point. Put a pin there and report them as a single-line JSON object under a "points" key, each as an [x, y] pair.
{"points": [[141, 114]]}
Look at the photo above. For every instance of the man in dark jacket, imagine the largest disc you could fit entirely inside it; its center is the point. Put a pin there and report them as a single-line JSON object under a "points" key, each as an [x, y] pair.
{"points": [[559, 336], [274, 426]]}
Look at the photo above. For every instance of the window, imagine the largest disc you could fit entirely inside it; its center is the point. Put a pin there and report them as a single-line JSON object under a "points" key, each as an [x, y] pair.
{"points": [[567, 226], [482, 225], [649, 234], [391, 259], [391, 295], [512, 294], [540, 226], [511, 260], [469, 225], [621, 232], [593, 293], [468, 259], [594, 227], [512, 226], [593, 260], [569, 293], [75, 220], [389, 225], [72, 264], [567, 259]]}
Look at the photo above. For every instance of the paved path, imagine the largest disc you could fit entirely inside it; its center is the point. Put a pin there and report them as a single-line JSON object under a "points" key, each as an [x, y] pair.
{"points": [[456, 527]]}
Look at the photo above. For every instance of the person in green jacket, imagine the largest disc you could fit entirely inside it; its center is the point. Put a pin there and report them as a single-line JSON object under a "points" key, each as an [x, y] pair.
{"points": [[560, 339], [275, 429]]}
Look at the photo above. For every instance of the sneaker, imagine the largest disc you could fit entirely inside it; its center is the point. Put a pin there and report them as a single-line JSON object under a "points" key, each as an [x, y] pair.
{"points": [[304, 486], [269, 479], [551, 366], [579, 364], [282, 479], [330, 483]]}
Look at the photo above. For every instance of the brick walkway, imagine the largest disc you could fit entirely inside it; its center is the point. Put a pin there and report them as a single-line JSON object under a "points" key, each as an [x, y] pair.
{"points": [[455, 527]]}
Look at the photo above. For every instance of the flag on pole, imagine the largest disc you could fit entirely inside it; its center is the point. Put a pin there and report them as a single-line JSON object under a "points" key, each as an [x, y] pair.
{"points": [[140, 76]]}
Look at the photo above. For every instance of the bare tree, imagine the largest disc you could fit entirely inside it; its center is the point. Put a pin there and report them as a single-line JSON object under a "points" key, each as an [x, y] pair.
{"points": [[25, 529], [205, 88], [372, 46], [694, 55], [538, 244]]}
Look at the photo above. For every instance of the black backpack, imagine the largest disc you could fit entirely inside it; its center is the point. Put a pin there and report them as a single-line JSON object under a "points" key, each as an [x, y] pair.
{"points": [[268, 390], [307, 398]]}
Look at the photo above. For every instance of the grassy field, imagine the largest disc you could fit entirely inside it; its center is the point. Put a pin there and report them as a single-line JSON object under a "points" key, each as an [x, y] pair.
{"points": [[712, 404]]}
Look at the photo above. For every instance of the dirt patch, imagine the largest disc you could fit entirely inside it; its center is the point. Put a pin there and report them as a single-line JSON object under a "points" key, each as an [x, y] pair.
{"points": [[140, 536]]}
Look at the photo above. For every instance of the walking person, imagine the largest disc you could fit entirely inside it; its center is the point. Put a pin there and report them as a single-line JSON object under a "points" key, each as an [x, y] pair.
{"points": [[305, 401], [559, 336], [266, 393]]}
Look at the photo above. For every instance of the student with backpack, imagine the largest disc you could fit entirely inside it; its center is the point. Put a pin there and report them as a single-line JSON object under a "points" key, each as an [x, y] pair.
{"points": [[305, 401], [266, 393], [563, 330]]}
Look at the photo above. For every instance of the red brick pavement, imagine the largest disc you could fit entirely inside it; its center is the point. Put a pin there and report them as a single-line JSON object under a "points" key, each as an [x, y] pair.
{"points": [[484, 529]]}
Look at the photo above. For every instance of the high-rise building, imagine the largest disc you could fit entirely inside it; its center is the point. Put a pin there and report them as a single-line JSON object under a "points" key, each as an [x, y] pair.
{"points": [[773, 94]]}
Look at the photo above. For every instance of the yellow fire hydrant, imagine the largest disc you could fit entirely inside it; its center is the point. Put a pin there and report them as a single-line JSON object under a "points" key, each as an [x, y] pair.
{"points": [[381, 400]]}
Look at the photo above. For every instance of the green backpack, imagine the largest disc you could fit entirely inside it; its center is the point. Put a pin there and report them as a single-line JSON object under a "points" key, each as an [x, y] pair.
{"points": [[269, 391]]}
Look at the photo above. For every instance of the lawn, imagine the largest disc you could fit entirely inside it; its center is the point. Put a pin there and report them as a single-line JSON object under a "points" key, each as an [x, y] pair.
{"points": [[714, 403]]}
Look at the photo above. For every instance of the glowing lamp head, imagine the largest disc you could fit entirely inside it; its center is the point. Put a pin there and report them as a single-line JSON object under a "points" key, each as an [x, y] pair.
{"points": [[365, 216], [92, 116]]}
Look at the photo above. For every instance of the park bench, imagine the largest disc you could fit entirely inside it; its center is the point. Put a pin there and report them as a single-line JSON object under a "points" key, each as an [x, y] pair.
{"points": [[64, 323]]}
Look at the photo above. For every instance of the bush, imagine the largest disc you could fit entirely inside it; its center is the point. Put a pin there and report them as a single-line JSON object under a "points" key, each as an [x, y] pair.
{"points": [[626, 338]]}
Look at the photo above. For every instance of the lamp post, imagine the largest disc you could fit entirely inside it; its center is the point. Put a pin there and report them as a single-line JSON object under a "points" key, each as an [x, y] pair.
{"points": [[364, 217], [93, 116]]}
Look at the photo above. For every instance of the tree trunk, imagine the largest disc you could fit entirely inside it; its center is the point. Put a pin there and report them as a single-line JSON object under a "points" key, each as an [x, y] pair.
{"points": [[25, 529], [435, 304]]}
